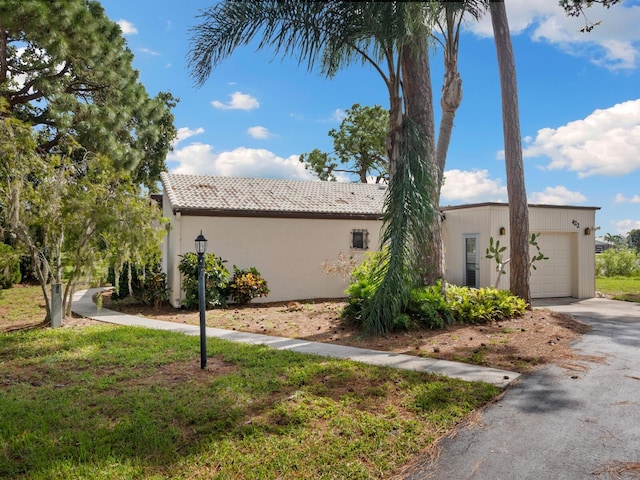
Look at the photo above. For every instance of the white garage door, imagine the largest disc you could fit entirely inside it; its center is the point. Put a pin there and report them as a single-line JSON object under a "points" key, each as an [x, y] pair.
{"points": [[553, 277]]}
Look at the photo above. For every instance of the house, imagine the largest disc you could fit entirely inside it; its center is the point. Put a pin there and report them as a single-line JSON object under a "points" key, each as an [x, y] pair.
{"points": [[567, 238], [287, 229]]}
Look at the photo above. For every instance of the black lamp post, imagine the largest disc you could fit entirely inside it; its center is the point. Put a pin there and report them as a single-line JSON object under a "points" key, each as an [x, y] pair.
{"points": [[201, 248]]}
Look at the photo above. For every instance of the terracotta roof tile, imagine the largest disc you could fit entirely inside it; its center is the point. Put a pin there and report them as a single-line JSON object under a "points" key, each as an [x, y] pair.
{"points": [[208, 193]]}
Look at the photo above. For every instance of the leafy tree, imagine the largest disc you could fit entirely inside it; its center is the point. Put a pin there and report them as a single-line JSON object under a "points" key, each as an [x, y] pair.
{"points": [[66, 71], [616, 240], [516, 190], [65, 209], [633, 239], [359, 147]]}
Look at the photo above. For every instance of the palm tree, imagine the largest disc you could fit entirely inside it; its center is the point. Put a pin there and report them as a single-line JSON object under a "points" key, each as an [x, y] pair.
{"points": [[392, 38], [516, 189]]}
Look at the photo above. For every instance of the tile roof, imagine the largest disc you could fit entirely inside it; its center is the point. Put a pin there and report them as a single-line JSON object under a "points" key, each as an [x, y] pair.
{"points": [[265, 196]]}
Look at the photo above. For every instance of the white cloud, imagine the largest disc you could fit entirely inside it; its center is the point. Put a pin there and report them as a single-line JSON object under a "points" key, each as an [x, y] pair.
{"points": [[557, 196], [239, 101], [625, 226], [472, 186], [297, 116], [200, 159], [613, 44], [127, 27], [186, 132], [607, 142], [620, 198], [338, 115], [148, 51], [258, 132]]}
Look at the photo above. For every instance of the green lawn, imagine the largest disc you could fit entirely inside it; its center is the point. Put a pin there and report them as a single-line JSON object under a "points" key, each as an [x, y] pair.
{"points": [[108, 402], [620, 288]]}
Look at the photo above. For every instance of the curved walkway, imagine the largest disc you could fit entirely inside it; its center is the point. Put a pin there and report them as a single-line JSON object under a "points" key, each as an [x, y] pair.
{"points": [[83, 305]]}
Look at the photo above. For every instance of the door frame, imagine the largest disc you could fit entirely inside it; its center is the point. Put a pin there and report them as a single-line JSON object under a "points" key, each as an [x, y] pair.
{"points": [[476, 237]]}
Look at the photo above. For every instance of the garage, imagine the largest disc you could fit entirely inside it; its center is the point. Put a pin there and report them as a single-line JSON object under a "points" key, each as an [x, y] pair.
{"points": [[553, 277], [567, 238]]}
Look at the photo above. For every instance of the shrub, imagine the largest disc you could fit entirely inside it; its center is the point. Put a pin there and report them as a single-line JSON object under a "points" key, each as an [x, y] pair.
{"points": [[246, 285], [471, 305], [433, 306], [216, 280], [9, 266], [429, 307], [148, 284], [623, 262]]}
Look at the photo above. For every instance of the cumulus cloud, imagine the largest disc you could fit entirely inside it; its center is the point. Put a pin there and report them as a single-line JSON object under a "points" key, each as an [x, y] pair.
{"points": [[200, 159], [127, 27], [186, 132], [239, 101], [472, 186], [613, 44], [258, 132], [625, 226], [607, 142], [557, 196], [620, 198]]}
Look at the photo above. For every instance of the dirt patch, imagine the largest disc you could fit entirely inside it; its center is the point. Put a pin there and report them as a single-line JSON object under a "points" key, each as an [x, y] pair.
{"points": [[521, 344]]}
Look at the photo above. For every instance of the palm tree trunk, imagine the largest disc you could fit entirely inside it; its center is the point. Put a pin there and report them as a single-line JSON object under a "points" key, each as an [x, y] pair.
{"points": [[517, 193], [418, 96]]}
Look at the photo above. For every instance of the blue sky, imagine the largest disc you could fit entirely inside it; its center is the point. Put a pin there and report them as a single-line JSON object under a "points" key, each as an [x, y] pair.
{"points": [[579, 105]]}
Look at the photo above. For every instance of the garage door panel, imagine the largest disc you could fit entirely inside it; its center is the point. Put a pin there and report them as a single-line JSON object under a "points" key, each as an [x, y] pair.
{"points": [[552, 278]]}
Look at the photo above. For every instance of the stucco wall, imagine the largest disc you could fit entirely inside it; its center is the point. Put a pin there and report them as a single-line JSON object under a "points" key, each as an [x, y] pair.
{"points": [[486, 220], [289, 253]]}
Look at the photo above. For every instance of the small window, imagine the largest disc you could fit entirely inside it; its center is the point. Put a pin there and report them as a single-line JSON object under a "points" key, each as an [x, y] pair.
{"points": [[360, 239]]}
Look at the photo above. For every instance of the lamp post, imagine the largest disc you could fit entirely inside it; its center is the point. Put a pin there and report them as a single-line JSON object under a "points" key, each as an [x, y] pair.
{"points": [[201, 248]]}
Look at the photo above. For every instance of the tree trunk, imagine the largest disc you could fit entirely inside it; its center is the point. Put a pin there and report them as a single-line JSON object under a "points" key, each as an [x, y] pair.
{"points": [[517, 193], [449, 101], [418, 96]]}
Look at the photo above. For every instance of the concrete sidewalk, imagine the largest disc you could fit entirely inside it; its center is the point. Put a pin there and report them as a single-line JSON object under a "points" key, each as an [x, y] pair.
{"points": [[83, 305]]}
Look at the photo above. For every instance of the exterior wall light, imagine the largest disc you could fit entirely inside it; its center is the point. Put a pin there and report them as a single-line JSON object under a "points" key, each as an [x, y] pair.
{"points": [[587, 231], [503, 231]]}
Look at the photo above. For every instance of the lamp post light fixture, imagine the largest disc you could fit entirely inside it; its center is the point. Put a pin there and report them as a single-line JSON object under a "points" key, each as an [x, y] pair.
{"points": [[201, 248]]}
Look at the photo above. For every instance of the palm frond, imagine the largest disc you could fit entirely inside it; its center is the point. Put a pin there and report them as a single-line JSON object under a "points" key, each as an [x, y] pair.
{"points": [[408, 215]]}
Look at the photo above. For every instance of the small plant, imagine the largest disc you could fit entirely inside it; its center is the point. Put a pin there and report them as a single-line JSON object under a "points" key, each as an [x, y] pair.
{"points": [[216, 278], [343, 266], [496, 252], [246, 285], [152, 290]]}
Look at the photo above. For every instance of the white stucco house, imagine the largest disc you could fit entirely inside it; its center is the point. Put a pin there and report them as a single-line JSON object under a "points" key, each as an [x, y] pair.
{"points": [[288, 229], [567, 238]]}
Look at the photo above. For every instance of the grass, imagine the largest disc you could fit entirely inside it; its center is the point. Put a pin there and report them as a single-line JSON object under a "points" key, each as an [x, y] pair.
{"points": [[620, 288], [108, 402], [21, 305]]}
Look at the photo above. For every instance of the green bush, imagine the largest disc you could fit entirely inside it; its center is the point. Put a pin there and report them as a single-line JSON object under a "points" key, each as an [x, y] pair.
{"points": [[362, 287], [247, 284], [433, 306], [429, 307], [471, 305], [9, 266], [216, 280], [153, 289], [618, 262], [148, 284]]}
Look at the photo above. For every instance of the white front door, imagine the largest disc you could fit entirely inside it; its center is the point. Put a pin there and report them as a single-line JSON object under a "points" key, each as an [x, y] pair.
{"points": [[471, 261]]}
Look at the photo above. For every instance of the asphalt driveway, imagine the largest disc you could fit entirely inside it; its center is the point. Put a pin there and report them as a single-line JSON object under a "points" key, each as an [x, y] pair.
{"points": [[559, 423]]}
